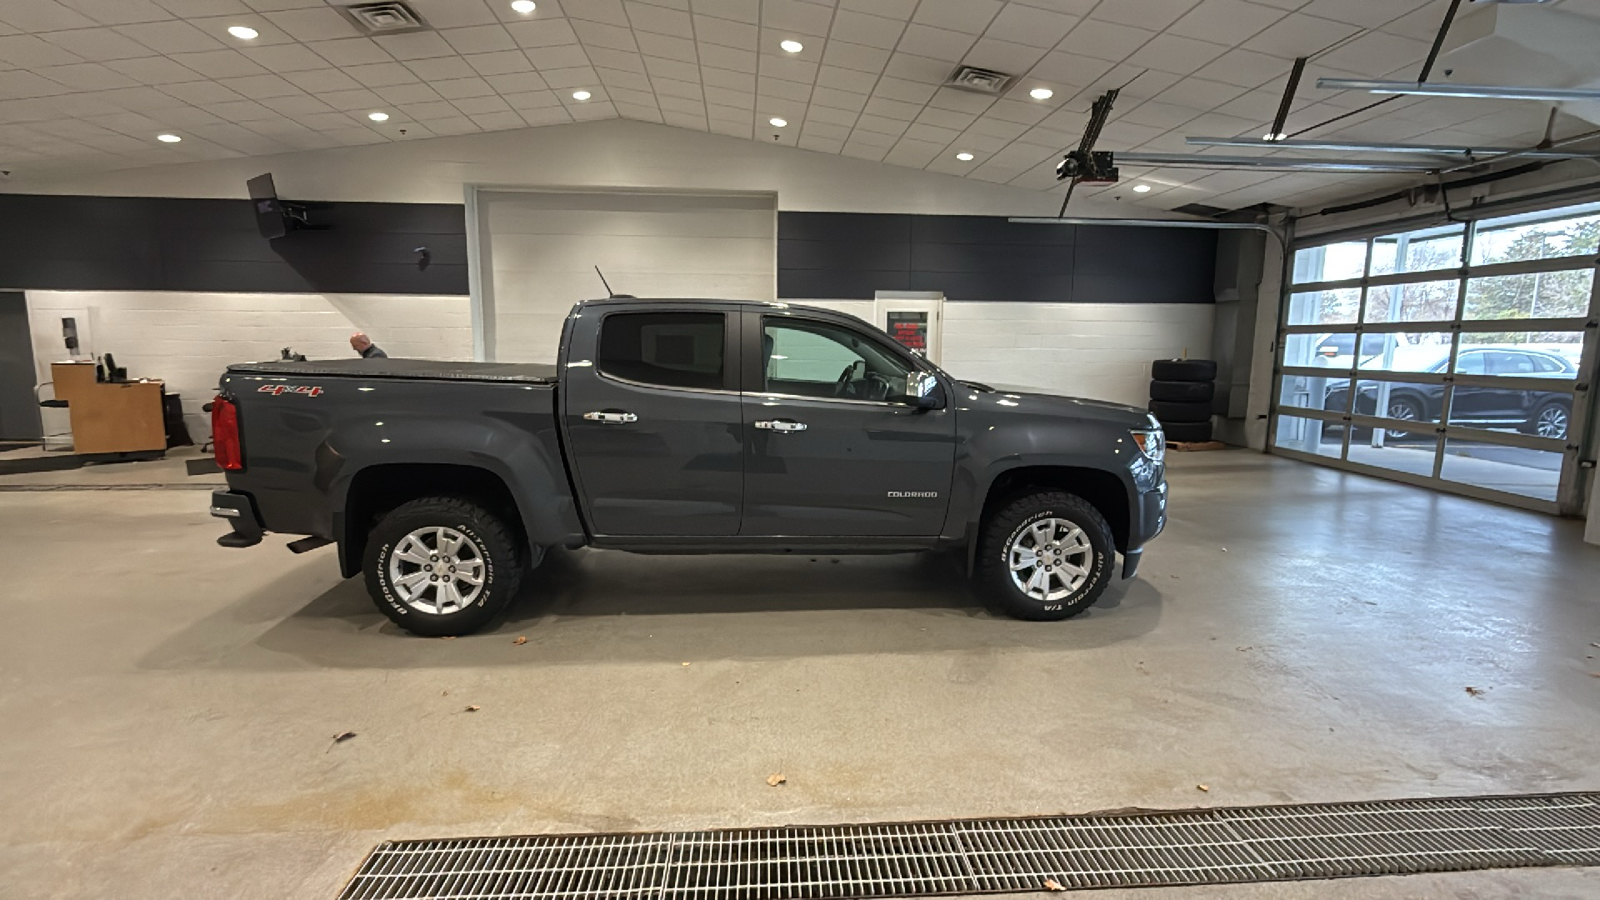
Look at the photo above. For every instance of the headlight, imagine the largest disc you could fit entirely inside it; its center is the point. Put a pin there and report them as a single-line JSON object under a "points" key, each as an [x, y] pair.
{"points": [[1152, 441]]}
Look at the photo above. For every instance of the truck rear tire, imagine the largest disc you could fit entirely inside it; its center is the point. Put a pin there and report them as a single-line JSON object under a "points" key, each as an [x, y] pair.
{"points": [[1045, 556], [442, 566]]}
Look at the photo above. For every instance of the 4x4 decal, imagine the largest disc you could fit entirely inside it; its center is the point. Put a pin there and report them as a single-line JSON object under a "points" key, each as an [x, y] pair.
{"points": [[278, 390]]}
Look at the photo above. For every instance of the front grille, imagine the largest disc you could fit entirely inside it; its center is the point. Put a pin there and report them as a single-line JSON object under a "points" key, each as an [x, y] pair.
{"points": [[978, 856]]}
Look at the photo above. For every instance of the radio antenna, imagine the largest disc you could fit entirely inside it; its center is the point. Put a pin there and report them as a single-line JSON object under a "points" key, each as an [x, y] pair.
{"points": [[603, 281]]}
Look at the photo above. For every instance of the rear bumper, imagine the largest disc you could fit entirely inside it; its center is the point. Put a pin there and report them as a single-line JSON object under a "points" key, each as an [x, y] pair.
{"points": [[240, 512]]}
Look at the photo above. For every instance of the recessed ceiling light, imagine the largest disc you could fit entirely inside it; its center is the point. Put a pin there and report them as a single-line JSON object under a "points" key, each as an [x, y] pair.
{"points": [[168, 138], [378, 116], [581, 95], [1041, 93], [778, 123], [1141, 189], [244, 32], [1274, 136], [523, 6], [964, 157], [792, 46]]}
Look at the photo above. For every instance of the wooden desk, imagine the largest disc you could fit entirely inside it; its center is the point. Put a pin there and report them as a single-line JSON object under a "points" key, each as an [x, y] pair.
{"points": [[110, 418]]}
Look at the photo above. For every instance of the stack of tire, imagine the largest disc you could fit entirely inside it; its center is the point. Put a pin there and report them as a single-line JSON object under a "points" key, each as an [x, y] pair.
{"points": [[1180, 398]]}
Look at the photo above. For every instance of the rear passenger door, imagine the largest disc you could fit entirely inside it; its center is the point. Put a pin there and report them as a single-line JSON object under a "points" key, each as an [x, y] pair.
{"points": [[653, 420]]}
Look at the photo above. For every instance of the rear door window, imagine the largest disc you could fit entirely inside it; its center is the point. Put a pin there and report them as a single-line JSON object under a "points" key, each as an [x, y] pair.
{"points": [[666, 349]]}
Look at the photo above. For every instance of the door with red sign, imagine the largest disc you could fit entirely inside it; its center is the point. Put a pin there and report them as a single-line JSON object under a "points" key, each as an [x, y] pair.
{"points": [[912, 318]]}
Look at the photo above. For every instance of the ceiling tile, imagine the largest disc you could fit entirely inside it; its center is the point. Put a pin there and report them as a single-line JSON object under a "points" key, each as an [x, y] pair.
{"points": [[720, 57], [457, 88], [858, 57], [1180, 55], [153, 70], [94, 44], [381, 74], [576, 77], [20, 85], [1225, 21], [847, 80], [1002, 56], [568, 57], [737, 10], [1104, 40], [967, 16], [320, 80], [456, 13], [479, 39], [170, 37], [517, 82], [596, 34], [552, 33], [1246, 68], [415, 45], [1299, 35], [633, 81], [447, 67], [350, 51], [352, 99], [318, 24], [257, 87], [608, 11], [861, 28], [42, 15], [500, 63], [786, 90], [801, 18], [1031, 25], [1156, 14], [838, 99], [1365, 13], [285, 58], [1376, 52], [525, 100], [406, 93], [937, 43], [647, 17], [481, 105], [86, 77], [667, 46], [727, 33], [219, 63], [737, 81]]}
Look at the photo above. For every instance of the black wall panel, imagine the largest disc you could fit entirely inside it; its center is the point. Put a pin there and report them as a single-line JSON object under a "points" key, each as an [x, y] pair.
{"points": [[170, 244], [849, 256]]}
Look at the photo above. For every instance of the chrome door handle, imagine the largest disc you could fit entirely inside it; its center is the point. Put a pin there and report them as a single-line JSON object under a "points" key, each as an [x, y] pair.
{"points": [[781, 425], [611, 418]]}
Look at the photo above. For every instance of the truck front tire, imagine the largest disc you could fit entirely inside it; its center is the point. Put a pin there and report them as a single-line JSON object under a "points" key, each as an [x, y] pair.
{"points": [[442, 566], [1045, 556]]}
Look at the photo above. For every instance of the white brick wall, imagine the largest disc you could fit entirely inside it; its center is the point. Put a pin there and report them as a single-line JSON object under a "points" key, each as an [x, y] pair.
{"points": [[1097, 350], [188, 339]]}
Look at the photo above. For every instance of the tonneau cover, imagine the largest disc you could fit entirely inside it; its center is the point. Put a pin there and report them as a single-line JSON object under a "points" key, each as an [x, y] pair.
{"points": [[422, 369]]}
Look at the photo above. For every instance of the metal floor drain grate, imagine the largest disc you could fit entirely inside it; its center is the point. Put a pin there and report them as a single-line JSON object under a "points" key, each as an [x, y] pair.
{"points": [[979, 856]]}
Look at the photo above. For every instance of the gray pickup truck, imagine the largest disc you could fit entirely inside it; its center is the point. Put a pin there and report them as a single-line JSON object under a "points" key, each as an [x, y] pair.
{"points": [[681, 427]]}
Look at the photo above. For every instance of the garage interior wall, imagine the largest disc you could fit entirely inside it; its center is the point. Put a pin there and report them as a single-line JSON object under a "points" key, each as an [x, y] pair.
{"points": [[541, 250], [188, 339]]}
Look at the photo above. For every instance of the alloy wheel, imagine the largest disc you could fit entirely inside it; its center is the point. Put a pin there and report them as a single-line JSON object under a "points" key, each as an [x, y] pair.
{"points": [[437, 570], [1050, 560]]}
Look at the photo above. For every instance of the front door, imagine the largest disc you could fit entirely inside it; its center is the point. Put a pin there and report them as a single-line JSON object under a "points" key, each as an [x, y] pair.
{"points": [[835, 447], [654, 422]]}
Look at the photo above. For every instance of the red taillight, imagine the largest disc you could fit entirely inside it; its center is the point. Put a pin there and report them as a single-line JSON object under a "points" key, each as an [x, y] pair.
{"points": [[225, 434]]}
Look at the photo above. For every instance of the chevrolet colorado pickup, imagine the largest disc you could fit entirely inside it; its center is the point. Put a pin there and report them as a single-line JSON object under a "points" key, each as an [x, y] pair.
{"points": [[681, 427]]}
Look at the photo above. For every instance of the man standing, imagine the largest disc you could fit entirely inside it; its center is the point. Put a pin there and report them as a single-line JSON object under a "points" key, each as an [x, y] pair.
{"points": [[363, 345]]}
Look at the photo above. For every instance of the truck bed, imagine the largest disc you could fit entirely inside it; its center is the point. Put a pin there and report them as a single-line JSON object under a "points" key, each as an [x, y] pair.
{"points": [[410, 369]]}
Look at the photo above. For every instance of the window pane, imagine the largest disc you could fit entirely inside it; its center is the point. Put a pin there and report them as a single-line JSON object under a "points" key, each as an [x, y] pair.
{"points": [[1425, 301], [1423, 351], [819, 359], [1516, 470], [1330, 262], [669, 349], [1310, 436], [1419, 251], [1540, 295], [1325, 307], [1402, 401], [1393, 447], [1543, 235], [1309, 392], [1555, 354]]}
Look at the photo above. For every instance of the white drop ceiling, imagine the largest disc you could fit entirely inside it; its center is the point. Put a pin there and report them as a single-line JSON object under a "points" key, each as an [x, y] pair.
{"points": [[86, 85]]}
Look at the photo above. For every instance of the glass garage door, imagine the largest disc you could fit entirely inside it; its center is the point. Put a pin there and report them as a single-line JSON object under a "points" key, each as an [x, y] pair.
{"points": [[1460, 356]]}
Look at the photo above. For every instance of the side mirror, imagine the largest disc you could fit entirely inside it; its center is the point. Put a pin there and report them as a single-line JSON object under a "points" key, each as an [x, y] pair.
{"points": [[924, 391]]}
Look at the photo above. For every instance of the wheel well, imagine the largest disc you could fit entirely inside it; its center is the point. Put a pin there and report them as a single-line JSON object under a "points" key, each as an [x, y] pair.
{"points": [[377, 490], [1104, 491]]}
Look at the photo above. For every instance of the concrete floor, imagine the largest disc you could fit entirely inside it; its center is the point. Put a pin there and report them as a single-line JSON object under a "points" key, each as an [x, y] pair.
{"points": [[1299, 634]]}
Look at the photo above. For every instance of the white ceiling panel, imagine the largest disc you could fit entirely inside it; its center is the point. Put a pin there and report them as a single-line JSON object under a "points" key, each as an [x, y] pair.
{"points": [[88, 83]]}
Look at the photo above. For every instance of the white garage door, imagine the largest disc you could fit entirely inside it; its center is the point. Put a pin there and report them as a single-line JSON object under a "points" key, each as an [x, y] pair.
{"points": [[542, 249]]}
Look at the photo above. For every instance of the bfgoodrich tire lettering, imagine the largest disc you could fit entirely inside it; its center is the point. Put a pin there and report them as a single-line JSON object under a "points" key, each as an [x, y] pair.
{"points": [[489, 554], [1011, 537]]}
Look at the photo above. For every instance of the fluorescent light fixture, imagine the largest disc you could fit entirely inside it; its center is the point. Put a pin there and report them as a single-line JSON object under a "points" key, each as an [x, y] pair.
{"points": [[581, 95], [1141, 189], [244, 32], [1200, 224], [1041, 93], [778, 123], [1272, 163], [1379, 147], [964, 156], [168, 138], [1477, 91], [526, 7], [792, 46], [378, 116]]}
